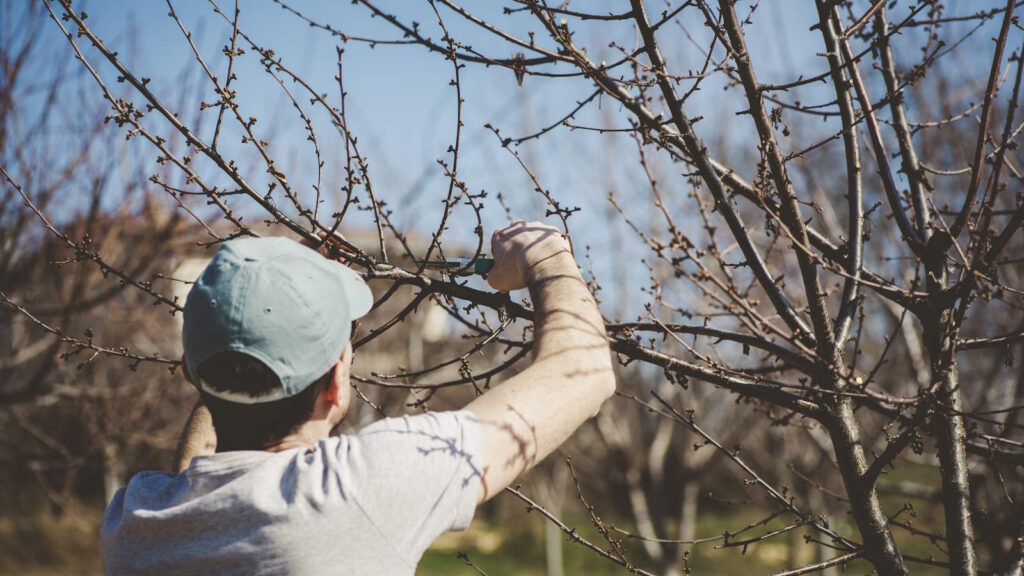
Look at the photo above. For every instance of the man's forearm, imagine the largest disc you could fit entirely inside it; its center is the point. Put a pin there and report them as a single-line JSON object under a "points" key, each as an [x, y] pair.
{"points": [[534, 412], [567, 323], [197, 439]]}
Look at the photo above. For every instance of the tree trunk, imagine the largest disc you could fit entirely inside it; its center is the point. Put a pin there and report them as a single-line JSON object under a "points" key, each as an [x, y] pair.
{"points": [[879, 546], [950, 435], [553, 549], [113, 470], [822, 553], [551, 493], [688, 520], [794, 547], [940, 320]]}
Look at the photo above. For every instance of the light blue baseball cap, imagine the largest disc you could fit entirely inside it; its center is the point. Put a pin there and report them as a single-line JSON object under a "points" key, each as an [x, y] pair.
{"points": [[277, 301]]}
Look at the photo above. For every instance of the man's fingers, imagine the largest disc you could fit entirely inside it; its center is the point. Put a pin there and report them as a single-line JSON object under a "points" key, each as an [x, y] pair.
{"points": [[496, 279], [503, 277], [517, 248]]}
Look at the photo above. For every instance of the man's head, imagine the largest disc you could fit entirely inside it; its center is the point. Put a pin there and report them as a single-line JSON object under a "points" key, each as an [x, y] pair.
{"points": [[266, 338]]}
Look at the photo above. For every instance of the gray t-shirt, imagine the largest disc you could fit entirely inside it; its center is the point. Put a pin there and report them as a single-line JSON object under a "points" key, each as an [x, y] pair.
{"points": [[365, 504]]}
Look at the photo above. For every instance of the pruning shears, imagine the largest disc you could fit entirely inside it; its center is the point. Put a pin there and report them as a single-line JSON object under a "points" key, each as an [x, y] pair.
{"points": [[462, 266]]}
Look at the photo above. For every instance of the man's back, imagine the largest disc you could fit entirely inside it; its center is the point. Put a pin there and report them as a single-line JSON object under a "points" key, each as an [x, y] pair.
{"points": [[364, 504], [267, 335]]}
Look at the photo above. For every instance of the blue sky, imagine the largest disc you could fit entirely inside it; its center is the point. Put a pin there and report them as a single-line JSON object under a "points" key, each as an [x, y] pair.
{"points": [[402, 108]]}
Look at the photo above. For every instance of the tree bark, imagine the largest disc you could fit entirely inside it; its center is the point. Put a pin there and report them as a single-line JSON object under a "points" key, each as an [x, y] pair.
{"points": [[940, 319], [879, 546], [951, 438]]}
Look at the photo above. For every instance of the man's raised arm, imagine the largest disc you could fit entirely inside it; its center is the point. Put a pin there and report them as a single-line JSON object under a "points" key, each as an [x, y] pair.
{"points": [[528, 416]]}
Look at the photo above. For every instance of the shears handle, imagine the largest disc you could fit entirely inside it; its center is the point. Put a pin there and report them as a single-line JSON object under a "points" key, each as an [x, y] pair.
{"points": [[482, 266], [466, 267]]}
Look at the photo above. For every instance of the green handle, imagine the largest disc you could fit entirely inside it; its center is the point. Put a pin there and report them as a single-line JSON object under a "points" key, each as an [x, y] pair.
{"points": [[482, 266]]}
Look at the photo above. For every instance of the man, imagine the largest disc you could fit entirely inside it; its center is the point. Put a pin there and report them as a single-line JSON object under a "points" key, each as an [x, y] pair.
{"points": [[266, 338]]}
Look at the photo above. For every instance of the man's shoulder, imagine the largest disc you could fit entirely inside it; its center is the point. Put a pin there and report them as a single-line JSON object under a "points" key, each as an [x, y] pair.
{"points": [[155, 490], [144, 490], [401, 440], [215, 483], [144, 484]]}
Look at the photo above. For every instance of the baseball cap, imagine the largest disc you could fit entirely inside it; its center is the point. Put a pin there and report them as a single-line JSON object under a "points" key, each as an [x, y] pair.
{"points": [[277, 301]]}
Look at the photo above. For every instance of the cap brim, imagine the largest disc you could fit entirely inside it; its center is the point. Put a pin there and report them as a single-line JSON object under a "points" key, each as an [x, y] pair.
{"points": [[357, 293]]}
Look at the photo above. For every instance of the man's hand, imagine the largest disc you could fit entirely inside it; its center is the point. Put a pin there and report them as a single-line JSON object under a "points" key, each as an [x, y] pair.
{"points": [[326, 249], [526, 252], [197, 439]]}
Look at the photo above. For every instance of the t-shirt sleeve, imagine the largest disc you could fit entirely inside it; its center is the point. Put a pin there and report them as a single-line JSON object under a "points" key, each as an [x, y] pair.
{"points": [[417, 477]]}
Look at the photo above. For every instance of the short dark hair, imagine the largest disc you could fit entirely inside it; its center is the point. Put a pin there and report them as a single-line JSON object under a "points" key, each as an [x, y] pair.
{"points": [[253, 426]]}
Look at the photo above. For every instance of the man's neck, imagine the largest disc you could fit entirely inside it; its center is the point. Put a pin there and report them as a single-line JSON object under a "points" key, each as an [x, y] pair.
{"points": [[305, 437]]}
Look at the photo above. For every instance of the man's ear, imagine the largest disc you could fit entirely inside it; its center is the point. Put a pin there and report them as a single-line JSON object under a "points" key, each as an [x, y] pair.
{"points": [[184, 371], [332, 389], [338, 391]]}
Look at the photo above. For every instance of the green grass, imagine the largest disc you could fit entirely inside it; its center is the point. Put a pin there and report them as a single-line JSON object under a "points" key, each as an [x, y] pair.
{"points": [[48, 545], [523, 554]]}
